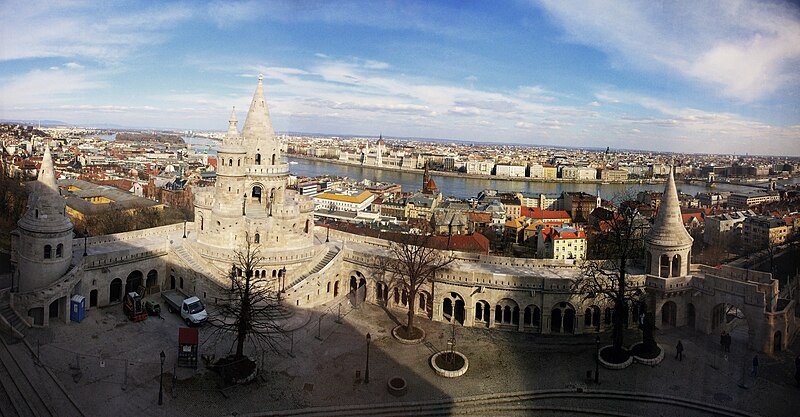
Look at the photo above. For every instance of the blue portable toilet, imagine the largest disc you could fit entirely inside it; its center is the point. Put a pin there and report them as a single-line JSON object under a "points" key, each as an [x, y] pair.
{"points": [[77, 308]]}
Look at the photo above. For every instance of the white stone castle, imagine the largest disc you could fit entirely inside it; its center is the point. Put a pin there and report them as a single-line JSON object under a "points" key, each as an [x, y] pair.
{"points": [[250, 200]]}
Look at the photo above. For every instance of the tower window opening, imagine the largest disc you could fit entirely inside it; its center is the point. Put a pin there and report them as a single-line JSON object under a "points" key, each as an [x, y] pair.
{"points": [[273, 159], [48, 251], [60, 250], [257, 238], [258, 159], [230, 162]]}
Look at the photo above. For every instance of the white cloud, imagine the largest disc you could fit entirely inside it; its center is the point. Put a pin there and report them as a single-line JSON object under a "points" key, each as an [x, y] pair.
{"points": [[746, 49], [595, 104], [73, 65]]}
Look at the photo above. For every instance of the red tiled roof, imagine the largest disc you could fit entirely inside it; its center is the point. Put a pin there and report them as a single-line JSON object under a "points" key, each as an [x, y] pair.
{"points": [[475, 243], [537, 213]]}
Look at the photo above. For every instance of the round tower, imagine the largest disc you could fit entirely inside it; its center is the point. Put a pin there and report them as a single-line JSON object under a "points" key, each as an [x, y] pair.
{"points": [[668, 245], [44, 246]]}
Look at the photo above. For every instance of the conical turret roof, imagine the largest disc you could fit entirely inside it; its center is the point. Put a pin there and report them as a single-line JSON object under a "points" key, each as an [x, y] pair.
{"points": [[47, 173], [668, 229], [257, 125]]}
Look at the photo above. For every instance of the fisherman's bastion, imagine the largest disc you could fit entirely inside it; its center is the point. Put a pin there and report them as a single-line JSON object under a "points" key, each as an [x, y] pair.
{"points": [[250, 200]]}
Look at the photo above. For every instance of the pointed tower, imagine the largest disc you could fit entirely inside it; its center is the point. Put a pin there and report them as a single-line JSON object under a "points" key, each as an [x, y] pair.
{"points": [[668, 245], [44, 233], [258, 138]]}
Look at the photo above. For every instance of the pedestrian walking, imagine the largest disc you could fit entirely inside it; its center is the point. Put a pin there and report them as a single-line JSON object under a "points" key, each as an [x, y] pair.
{"points": [[679, 351], [755, 366]]}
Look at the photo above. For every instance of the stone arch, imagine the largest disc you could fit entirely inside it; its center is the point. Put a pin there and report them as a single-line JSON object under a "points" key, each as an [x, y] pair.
{"points": [[669, 312], [257, 238], [152, 278], [54, 309], [691, 315], [60, 250], [608, 314], [532, 316], [115, 291], [37, 313], [308, 226], [336, 289], [93, 298], [134, 281], [562, 318], [663, 266], [258, 159], [507, 312], [48, 251], [676, 265], [230, 162], [648, 262], [482, 312], [591, 317], [273, 159], [255, 193], [180, 281], [457, 308]]}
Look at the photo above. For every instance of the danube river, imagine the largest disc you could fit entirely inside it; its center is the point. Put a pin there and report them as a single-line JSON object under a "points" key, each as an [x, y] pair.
{"points": [[464, 188]]}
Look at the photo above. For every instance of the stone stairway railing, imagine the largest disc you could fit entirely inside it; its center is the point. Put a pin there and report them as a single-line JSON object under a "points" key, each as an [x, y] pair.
{"points": [[333, 253], [61, 288]]}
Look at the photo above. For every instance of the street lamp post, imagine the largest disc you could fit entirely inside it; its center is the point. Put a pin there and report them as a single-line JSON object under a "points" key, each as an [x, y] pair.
{"points": [[366, 373], [184, 228], [597, 361], [161, 381], [327, 233], [85, 240], [283, 279]]}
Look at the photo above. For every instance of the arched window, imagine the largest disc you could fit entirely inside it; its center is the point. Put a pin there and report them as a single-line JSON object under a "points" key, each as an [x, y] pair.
{"points": [[648, 262], [273, 159], [274, 273], [230, 162], [201, 223], [60, 251], [238, 162], [257, 238], [48, 251], [37, 213], [676, 266], [258, 159], [664, 265]]}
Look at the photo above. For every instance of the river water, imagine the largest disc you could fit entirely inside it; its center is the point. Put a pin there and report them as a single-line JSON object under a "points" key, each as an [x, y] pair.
{"points": [[462, 188], [468, 187]]}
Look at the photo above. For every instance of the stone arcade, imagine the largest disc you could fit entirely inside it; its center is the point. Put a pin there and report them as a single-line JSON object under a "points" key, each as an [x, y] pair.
{"points": [[250, 199]]}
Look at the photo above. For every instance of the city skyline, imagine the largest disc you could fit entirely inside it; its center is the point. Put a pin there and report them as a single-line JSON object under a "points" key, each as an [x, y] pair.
{"points": [[707, 78]]}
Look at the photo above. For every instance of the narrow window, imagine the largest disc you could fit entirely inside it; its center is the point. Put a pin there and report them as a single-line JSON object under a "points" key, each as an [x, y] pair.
{"points": [[59, 250], [48, 251], [257, 238]]}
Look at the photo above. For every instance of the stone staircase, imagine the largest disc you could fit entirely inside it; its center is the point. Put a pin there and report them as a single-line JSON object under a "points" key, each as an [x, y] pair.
{"points": [[332, 252], [193, 263], [10, 316]]}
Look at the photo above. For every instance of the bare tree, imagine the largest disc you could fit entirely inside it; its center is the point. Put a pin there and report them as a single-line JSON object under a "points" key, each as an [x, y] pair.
{"points": [[617, 244], [249, 309], [412, 262]]}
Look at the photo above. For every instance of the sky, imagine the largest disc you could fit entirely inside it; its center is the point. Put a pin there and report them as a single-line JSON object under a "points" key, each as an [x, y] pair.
{"points": [[686, 76]]}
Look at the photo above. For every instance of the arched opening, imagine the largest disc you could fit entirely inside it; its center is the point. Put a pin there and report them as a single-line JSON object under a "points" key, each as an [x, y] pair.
{"points": [[595, 317], [328, 287], [54, 309], [515, 315], [115, 291], [587, 317], [447, 309], [37, 313], [48, 251], [258, 159], [353, 283], [239, 162], [172, 282], [202, 223], [777, 344], [607, 316], [569, 321], [308, 226], [93, 298], [731, 319], [531, 316], [648, 259], [59, 250], [152, 278], [690, 315], [498, 315], [273, 159], [257, 238], [482, 312], [134, 281], [230, 162], [180, 281], [664, 264], [555, 320], [459, 312], [668, 313], [507, 315], [255, 194], [336, 289], [676, 266], [404, 298]]}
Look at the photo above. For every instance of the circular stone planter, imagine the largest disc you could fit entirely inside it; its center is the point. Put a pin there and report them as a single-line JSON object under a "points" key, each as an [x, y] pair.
{"points": [[648, 361], [397, 386], [448, 373], [408, 341], [609, 365]]}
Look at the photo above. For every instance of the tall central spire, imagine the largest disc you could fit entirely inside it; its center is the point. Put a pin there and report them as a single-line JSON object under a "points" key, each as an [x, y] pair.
{"points": [[257, 125], [668, 228], [47, 174]]}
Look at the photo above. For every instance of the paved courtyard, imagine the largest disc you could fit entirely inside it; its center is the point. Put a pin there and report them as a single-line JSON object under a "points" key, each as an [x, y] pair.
{"points": [[108, 364]]}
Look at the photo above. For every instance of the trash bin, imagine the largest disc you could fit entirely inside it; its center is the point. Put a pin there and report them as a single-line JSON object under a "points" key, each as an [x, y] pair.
{"points": [[77, 308]]}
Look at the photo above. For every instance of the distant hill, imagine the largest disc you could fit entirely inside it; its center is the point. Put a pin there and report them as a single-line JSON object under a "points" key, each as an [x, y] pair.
{"points": [[149, 137]]}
